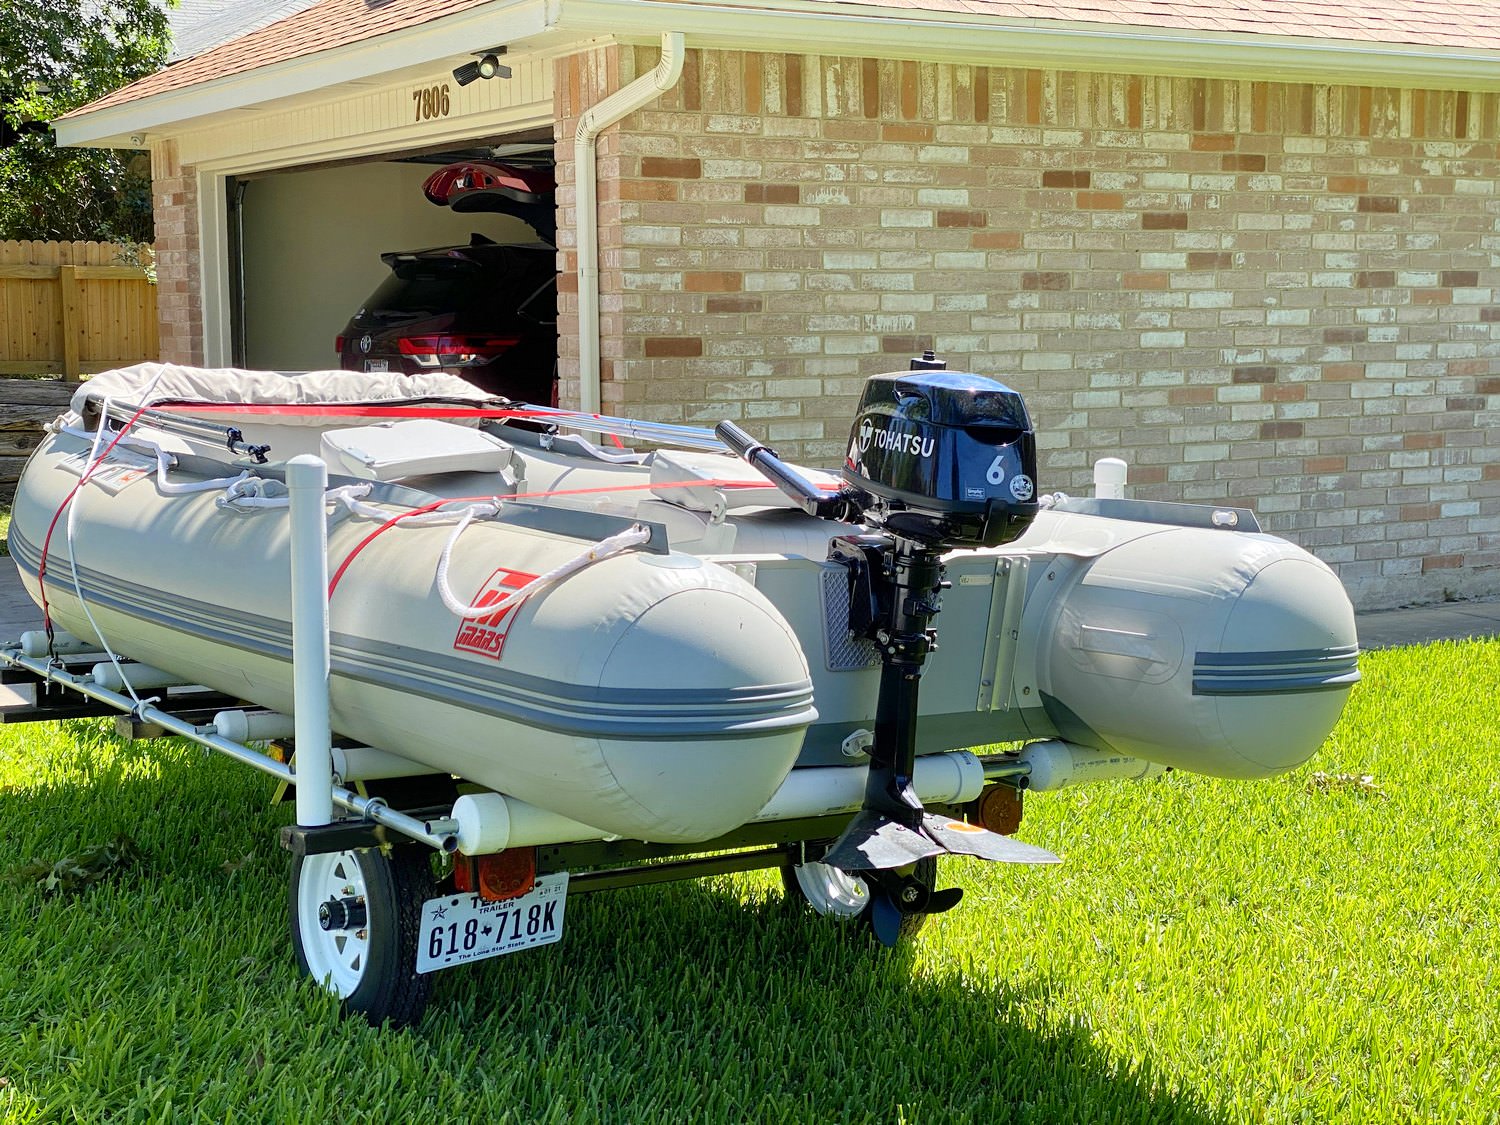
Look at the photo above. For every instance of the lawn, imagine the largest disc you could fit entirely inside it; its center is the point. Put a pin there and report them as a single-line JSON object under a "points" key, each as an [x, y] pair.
{"points": [[1320, 947]]}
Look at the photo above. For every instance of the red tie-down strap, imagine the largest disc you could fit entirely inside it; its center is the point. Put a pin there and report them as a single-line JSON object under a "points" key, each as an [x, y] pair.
{"points": [[601, 490], [83, 477]]}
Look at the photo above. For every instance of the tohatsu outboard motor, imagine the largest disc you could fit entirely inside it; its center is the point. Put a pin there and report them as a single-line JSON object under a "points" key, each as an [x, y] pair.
{"points": [[947, 457], [937, 460]]}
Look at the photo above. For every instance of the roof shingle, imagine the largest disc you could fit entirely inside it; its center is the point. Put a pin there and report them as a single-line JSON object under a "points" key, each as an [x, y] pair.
{"points": [[1439, 24]]}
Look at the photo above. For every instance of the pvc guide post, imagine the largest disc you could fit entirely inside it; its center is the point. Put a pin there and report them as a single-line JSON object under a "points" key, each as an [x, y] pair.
{"points": [[306, 481], [1109, 478]]}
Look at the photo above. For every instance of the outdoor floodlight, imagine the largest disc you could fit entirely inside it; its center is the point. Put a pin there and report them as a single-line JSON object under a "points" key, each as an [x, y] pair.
{"points": [[488, 66]]}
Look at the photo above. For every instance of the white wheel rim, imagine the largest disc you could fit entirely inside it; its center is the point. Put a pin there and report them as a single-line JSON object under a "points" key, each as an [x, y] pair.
{"points": [[336, 959], [832, 892]]}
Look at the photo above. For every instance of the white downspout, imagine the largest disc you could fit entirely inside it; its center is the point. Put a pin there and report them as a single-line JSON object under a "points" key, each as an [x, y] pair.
{"points": [[594, 121]]}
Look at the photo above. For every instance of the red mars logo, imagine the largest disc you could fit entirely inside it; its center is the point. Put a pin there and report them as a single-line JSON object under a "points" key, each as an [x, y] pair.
{"points": [[486, 635]]}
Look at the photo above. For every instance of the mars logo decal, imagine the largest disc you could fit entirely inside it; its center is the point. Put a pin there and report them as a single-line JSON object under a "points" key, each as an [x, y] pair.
{"points": [[485, 636]]}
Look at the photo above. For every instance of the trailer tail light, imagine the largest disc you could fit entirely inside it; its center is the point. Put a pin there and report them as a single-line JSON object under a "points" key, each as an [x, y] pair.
{"points": [[455, 351], [496, 876]]}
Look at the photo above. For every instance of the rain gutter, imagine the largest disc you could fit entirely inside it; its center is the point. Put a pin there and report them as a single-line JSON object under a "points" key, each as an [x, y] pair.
{"points": [[619, 105]]}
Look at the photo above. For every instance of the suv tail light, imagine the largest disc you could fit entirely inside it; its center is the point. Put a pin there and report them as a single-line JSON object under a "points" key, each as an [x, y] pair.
{"points": [[455, 351], [338, 344]]}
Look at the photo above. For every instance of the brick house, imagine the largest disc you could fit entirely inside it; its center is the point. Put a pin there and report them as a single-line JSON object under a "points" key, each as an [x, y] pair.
{"points": [[1249, 247]]}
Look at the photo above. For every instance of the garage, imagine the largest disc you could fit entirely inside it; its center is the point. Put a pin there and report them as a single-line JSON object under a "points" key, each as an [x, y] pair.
{"points": [[305, 246], [280, 207]]}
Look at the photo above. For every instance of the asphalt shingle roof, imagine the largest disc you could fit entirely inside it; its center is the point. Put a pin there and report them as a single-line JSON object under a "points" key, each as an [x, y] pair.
{"points": [[1437, 24], [1433, 23], [198, 25]]}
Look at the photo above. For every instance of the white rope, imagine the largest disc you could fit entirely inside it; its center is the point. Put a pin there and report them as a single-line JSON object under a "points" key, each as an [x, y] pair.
{"points": [[165, 461], [616, 544], [69, 531]]}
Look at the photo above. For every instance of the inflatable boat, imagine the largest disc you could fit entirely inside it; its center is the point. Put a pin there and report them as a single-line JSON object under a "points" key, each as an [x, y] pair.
{"points": [[610, 630]]}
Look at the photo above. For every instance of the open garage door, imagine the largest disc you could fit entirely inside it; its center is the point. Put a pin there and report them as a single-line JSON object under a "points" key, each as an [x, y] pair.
{"points": [[306, 244]]}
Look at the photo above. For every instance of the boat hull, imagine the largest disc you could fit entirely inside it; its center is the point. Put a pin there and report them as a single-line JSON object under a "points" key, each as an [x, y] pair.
{"points": [[655, 696], [665, 693]]}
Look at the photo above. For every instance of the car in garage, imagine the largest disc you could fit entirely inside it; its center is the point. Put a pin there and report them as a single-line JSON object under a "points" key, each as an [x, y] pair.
{"points": [[486, 311]]}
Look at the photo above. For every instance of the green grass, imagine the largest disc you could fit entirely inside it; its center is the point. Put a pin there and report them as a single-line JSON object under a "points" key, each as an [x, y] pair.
{"points": [[1303, 949]]}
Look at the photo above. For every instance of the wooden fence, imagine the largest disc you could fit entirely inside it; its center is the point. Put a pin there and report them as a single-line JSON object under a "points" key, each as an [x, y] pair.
{"points": [[74, 308]]}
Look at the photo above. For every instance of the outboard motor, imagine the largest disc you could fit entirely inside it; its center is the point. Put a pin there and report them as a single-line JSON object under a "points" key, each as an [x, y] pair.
{"points": [[947, 457], [937, 460]]}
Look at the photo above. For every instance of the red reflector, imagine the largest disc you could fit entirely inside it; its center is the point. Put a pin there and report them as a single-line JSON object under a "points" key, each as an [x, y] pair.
{"points": [[496, 876], [487, 346], [1000, 808]]}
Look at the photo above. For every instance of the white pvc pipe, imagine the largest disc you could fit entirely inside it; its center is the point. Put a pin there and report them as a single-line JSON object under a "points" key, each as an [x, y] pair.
{"points": [[142, 677], [1109, 478], [34, 643], [306, 480], [492, 822], [1057, 765], [938, 778], [253, 726], [365, 763], [349, 763], [594, 121]]}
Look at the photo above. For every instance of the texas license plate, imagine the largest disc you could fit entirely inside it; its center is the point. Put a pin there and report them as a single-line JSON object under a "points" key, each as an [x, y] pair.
{"points": [[457, 929], [377, 365]]}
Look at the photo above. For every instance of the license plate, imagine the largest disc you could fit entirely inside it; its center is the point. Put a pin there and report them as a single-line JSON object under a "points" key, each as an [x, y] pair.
{"points": [[457, 929], [377, 365]]}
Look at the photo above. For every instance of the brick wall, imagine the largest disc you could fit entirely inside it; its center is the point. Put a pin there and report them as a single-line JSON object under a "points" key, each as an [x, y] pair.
{"points": [[1273, 295], [179, 289]]}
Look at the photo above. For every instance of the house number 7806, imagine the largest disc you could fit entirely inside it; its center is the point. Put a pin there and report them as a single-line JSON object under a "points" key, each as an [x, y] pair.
{"points": [[430, 102]]}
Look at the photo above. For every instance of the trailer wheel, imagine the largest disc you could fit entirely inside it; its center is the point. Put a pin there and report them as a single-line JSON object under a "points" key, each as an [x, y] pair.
{"points": [[837, 894], [355, 917]]}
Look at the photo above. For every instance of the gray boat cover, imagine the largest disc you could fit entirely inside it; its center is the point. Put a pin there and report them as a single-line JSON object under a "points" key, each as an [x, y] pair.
{"points": [[169, 382]]}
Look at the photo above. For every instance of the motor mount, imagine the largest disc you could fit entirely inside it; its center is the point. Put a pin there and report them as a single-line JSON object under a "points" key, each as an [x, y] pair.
{"points": [[947, 457], [937, 459]]}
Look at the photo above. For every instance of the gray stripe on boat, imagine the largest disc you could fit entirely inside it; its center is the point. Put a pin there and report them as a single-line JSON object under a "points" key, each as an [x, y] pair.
{"points": [[668, 713], [1275, 672]]}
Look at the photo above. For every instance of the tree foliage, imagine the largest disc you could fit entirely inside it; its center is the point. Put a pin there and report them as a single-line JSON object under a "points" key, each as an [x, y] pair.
{"points": [[57, 55]]}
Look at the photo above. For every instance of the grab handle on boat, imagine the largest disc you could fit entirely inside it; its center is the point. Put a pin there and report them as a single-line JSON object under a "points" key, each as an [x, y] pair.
{"points": [[808, 496]]}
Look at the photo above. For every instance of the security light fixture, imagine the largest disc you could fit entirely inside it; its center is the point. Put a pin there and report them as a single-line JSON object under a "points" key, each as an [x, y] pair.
{"points": [[487, 66]]}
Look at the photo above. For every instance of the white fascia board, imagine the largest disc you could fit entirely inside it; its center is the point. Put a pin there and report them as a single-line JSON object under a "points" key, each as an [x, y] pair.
{"points": [[489, 25], [913, 33], [800, 27]]}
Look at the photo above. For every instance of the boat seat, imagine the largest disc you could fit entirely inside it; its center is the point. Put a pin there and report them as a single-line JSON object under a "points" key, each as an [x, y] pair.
{"points": [[413, 447]]}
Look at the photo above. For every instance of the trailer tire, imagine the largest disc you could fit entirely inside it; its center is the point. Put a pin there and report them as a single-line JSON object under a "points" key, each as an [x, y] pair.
{"points": [[372, 969], [832, 893]]}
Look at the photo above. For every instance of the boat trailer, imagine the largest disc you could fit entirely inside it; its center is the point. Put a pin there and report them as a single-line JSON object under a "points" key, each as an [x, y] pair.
{"points": [[368, 916]]}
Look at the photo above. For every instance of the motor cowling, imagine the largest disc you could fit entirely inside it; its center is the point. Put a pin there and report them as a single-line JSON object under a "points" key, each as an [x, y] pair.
{"points": [[950, 457]]}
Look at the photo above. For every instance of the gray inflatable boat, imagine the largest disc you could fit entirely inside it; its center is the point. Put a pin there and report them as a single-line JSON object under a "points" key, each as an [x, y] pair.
{"points": [[676, 638]]}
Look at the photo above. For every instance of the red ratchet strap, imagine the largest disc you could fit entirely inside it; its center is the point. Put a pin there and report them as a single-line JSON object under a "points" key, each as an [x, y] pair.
{"points": [[394, 520], [83, 478]]}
